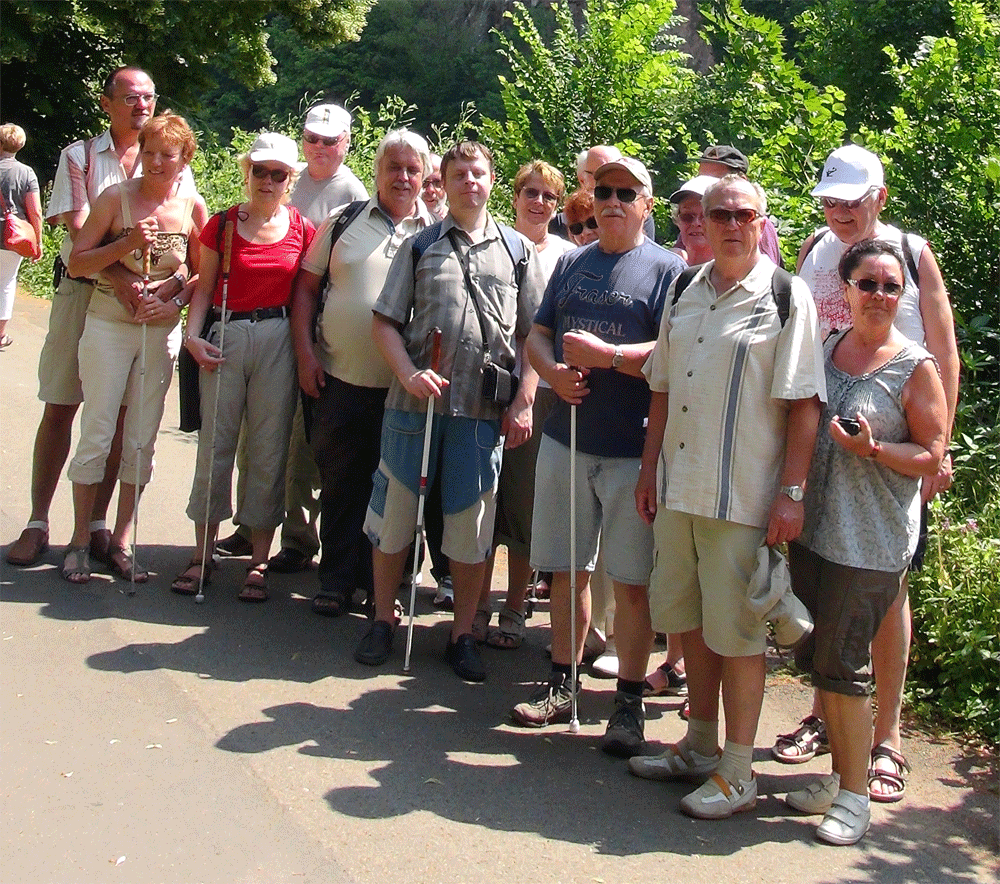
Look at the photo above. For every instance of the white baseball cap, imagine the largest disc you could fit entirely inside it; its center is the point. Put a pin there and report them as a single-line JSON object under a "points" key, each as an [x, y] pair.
{"points": [[627, 164], [273, 147], [849, 173], [695, 187], [327, 120]]}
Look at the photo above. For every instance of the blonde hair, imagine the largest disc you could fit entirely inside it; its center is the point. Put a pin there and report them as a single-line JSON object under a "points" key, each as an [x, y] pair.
{"points": [[552, 177], [245, 164], [12, 137]]}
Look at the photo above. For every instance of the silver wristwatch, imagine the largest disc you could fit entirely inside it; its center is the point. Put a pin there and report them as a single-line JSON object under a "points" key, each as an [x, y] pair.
{"points": [[177, 300], [795, 492], [618, 358]]}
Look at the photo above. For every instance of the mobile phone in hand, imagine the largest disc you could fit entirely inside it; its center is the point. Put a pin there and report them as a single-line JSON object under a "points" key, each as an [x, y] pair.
{"points": [[851, 426]]}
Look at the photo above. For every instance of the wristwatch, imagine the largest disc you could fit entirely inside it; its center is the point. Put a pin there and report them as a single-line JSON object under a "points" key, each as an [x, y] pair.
{"points": [[795, 492], [177, 300], [618, 358]]}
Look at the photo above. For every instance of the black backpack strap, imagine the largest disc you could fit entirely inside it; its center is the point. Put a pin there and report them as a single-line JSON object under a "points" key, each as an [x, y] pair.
{"points": [[515, 248], [817, 236], [423, 241], [781, 291], [911, 259], [683, 281]]}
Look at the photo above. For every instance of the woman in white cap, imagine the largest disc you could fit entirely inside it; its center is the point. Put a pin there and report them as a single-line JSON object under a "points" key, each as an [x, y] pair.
{"points": [[687, 212], [852, 192], [258, 381]]}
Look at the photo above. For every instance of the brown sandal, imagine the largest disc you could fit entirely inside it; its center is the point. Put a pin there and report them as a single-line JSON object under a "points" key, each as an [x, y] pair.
{"points": [[76, 565], [255, 590], [121, 565], [188, 584]]}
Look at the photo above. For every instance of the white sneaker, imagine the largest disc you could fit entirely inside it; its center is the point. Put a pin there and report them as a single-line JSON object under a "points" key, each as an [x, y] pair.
{"points": [[675, 763], [718, 798], [445, 598], [607, 663], [815, 797], [845, 822]]}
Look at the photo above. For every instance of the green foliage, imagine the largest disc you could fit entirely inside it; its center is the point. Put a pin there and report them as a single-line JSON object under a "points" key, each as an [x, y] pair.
{"points": [[956, 611], [619, 80], [71, 45]]}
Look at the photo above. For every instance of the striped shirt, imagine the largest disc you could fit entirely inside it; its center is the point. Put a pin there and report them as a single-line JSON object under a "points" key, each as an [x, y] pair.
{"points": [[731, 370], [434, 294]]}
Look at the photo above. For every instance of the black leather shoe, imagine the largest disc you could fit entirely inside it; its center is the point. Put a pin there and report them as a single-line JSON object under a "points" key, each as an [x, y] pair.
{"points": [[289, 561], [234, 545], [463, 655], [376, 647]]}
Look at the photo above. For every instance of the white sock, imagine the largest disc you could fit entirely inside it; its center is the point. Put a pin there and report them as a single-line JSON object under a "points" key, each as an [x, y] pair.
{"points": [[702, 736], [737, 763], [98, 525], [862, 800]]}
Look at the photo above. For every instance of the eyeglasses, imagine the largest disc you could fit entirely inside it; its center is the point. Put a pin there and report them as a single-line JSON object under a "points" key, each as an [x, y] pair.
{"points": [[870, 286], [533, 193], [436, 183], [133, 98], [829, 202], [327, 142], [624, 194], [576, 228], [690, 217], [742, 216], [277, 175]]}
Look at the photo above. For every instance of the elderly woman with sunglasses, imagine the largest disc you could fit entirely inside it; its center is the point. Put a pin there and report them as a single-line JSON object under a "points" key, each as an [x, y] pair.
{"points": [[581, 225], [884, 429], [257, 381], [852, 192]]}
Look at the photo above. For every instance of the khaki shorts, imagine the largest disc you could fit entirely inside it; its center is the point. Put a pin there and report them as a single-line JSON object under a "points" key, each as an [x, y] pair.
{"points": [[701, 575], [58, 364]]}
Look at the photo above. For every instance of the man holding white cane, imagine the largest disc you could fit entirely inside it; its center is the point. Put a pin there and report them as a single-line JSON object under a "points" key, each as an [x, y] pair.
{"points": [[593, 332], [480, 283]]}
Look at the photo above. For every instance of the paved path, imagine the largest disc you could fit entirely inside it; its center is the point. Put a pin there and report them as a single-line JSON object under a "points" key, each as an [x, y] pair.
{"points": [[147, 739]]}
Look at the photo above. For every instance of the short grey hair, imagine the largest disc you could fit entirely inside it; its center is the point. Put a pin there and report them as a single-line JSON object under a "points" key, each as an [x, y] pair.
{"points": [[404, 138], [581, 160], [726, 180]]}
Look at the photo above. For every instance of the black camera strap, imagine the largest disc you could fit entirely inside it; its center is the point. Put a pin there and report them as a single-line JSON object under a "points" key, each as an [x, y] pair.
{"points": [[453, 239]]}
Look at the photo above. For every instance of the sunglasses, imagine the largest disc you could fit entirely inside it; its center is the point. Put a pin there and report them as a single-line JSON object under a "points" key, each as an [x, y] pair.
{"points": [[277, 175], [624, 194], [132, 99], [316, 139], [870, 286], [576, 228], [533, 193], [690, 217], [742, 216], [829, 202]]}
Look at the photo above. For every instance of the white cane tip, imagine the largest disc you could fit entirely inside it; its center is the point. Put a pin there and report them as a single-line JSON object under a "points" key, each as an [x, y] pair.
{"points": [[574, 726], [199, 599]]}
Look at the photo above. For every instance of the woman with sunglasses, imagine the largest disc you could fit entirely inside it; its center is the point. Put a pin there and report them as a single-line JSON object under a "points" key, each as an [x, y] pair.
{"points": [[139, 217], [687, 212], [852, 192], [884, 428], [258, 380], [581, 225]]}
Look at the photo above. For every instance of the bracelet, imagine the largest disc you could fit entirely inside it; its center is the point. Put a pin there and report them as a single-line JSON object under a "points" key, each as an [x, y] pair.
{"points": [[179, 277], [876, 448]]}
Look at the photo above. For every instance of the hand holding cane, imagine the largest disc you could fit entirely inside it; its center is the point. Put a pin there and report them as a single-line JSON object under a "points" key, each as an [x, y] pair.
{"points": [[227, 254], [139, 423], [422, 495]]}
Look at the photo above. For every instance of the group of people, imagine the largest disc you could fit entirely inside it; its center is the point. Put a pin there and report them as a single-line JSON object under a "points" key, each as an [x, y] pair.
{"points": [[714, 406]]}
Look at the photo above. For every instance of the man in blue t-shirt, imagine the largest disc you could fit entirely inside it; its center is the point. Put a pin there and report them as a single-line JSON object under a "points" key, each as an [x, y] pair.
{"points": [[597, 324]]}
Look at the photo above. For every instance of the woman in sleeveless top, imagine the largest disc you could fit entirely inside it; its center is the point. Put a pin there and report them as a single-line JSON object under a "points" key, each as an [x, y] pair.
{"points": [[128, 219], [884, 429], [253, 379]]}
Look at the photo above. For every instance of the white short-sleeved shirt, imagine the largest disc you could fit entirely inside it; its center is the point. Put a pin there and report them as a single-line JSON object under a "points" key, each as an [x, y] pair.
{"points": [[358, 266], [316, 199], [731, 369]]}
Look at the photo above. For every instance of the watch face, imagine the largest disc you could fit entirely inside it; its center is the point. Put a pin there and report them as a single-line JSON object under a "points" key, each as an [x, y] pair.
{"points": [[794, 492]]}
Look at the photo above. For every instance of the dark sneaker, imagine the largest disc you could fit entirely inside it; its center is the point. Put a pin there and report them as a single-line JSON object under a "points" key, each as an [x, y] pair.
{"points": [[463, 655], [376, 647], [549, 704], [234, 545], [289, 561], [625, 737]]}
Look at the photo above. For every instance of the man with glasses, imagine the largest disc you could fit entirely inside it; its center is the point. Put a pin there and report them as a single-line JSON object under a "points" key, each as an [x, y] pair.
{"points": [[85, 169], [591, 336], [737, 386], [324, 185], [432, 192], [852, 193]]}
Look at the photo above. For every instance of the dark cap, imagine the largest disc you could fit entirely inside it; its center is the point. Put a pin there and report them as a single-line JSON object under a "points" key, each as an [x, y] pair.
{"points": [[725, 155]]}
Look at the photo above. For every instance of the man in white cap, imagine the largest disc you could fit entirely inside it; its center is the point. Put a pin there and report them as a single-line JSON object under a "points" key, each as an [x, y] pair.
{"points": [[596, 326], [325, 185], [852, 192]]}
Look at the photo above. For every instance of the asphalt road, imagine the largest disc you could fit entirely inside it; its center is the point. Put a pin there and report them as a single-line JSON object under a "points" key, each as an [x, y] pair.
{"points": [[147, 739]]}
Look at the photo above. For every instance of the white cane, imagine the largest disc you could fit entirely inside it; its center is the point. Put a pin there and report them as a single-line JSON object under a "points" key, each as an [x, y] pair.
{"points": [[574, 722], [139, 421], [226, 256], [418, 542]]}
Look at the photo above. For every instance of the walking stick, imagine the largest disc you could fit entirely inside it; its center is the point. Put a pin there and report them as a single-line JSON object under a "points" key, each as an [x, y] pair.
{"points": [[422, 496], [574, 722], [139, 422], [227, 254]]}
